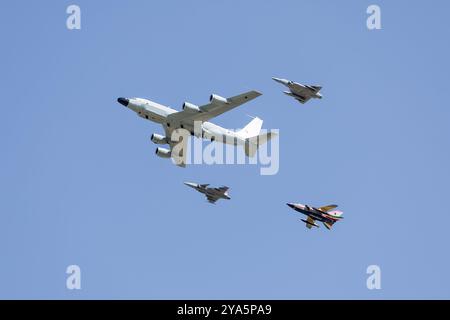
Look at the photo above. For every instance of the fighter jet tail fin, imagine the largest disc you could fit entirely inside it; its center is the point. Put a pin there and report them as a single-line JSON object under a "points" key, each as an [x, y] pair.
{"points": [[336, 214]]}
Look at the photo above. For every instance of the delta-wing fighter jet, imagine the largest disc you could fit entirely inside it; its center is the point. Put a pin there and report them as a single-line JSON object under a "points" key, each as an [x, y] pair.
{"points": [[300, 92], [322, 214], [191, 115], [212, 194]]}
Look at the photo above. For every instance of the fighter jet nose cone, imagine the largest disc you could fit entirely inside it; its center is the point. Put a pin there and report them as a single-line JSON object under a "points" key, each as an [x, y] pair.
{"points": [[123, 101], [190, 184], [291, 205], [282, 81]]}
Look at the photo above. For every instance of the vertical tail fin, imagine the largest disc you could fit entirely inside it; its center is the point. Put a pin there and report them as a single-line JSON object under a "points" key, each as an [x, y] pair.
{"points": [[252, 129], [337, 216], [252, 137], [336, 213]]}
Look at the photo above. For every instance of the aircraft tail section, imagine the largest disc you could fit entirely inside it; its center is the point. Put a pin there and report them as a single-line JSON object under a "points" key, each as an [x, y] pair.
{"points": [[252, 129], [329, 224], [252, 136], [252, 144], [336, 213]]}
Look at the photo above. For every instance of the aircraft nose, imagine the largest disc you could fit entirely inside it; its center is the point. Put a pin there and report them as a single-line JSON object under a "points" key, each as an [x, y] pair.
{"points": [[190, 184], [123, 101], [282, 81], [291, 205]]}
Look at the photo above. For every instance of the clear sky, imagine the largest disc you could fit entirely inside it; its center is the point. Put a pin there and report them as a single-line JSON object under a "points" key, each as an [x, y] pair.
{"points": [[80, 182]]}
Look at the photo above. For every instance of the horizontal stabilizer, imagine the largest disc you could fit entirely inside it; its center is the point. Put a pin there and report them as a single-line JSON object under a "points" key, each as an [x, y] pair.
{"points": [[252, 144], [265, 137], [329, 224]]}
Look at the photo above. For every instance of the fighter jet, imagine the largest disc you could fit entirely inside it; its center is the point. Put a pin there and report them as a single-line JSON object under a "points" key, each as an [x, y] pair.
{"points": [[300, 92], [322, 214], [212, 194], [171, 120]]}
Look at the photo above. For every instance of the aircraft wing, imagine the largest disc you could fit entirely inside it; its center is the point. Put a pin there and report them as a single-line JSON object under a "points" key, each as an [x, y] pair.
{"points": [[302, 99], [303, 93], [310, 223], [178, 148], [223, 189], [327, 208], [211, 199], [212, 109]]}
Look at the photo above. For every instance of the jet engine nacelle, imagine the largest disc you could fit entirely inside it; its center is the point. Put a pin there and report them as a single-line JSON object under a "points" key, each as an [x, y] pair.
{"points": [[191, 107], [163, 152], [158, 139], [216, 99]]}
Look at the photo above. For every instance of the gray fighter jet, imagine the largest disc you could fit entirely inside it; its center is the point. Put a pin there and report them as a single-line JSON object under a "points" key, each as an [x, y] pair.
{"points": [[322, 214], [212, 194], [300, 92]]}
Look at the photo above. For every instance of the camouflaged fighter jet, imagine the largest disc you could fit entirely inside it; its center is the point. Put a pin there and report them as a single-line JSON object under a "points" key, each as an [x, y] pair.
{"points": [[212, 194], [322, 214], [300, 92]]}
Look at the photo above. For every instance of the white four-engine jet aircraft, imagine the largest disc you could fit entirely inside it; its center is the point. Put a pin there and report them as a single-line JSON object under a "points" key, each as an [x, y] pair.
{"points": [[170, 119]]}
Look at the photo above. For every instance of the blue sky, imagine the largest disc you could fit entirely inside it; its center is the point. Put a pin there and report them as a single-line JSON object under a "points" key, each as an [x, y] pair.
{"points": [[81, 185]]}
